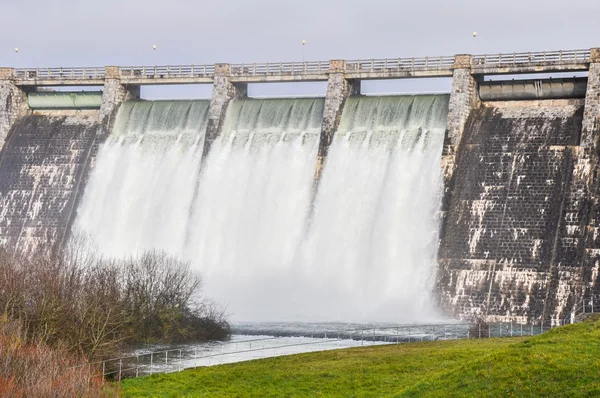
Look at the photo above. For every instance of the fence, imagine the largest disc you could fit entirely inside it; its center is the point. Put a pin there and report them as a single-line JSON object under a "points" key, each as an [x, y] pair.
{"points": [[154, 72], [82, 73], [280, 68], [443, 63], [395, 64], [531, 58], [173, 360]]}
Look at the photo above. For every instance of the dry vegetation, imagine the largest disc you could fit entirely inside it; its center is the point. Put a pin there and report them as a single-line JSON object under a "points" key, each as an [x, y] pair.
{"points": [[64, 307], [36, 370]]}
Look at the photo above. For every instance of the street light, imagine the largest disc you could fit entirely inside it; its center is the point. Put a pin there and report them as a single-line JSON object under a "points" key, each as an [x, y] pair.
{"points": [[303, 44]]}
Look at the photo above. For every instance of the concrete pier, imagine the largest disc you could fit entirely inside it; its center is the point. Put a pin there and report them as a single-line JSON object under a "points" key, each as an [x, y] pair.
{"points": [[224, 91], [339, 88], [114, 94], [13, 102], [463, 98]]}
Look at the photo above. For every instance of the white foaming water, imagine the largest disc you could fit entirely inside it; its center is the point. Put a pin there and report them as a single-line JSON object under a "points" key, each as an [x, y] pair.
{"points": [[140, 191], [363, 251], [373, 238], [253, 202]]}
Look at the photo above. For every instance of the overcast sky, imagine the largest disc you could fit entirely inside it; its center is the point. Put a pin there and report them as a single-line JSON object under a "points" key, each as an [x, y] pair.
{"points": [[119, 32]]}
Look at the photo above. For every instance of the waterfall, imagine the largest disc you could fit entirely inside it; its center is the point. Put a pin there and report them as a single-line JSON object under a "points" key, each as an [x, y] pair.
{"points": [[142, 186], [362, 248], [373, 239]]}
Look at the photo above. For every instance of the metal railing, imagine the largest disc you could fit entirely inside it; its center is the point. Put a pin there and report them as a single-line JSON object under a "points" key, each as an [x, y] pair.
{"points": [[531, 58], [280, 68], [590, 304], [168, 71], [175, 360], [400, 64], [443, 63], [61, 73]]}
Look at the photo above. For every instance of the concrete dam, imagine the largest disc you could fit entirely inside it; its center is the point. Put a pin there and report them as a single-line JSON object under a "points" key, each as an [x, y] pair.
{"points": [[348, 207]]}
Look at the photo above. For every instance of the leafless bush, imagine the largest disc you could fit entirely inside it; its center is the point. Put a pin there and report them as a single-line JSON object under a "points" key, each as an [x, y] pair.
{"points": [[479, 328], [35, 370], [78, 301]]}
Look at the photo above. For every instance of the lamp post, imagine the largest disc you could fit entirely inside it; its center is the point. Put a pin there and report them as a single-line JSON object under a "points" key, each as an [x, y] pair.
{"points": [[303, 44], [16, 57]]}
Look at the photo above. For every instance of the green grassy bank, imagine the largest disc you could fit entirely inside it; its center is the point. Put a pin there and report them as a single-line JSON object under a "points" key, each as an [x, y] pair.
{"points": [[564, 362]]}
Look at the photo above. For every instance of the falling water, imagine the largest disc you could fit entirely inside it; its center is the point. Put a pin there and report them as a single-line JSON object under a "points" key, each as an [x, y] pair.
{"points": [[362, 249], [371, 248], [141, 189], [253, 201]]}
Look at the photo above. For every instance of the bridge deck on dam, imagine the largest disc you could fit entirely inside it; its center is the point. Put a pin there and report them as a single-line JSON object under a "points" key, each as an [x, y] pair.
{"points": [[387, 68]]}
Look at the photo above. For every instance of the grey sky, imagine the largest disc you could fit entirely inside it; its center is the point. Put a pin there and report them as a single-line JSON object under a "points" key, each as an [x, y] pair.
{"points": [[82, 33]]}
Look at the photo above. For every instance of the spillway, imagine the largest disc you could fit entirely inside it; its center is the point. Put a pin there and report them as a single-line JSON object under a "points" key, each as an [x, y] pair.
{"points": [[141, 189], [373, 239], [269, 248]]}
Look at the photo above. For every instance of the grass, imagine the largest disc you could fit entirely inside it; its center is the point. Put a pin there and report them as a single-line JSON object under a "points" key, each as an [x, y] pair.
{"points": [[564, 362]]}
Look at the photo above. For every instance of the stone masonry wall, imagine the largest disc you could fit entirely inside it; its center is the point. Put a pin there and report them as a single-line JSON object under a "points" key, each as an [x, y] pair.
{"points": [[223, 92], [500, 249], [338, 90], [589, 178], [13, 102], [42, 167]]}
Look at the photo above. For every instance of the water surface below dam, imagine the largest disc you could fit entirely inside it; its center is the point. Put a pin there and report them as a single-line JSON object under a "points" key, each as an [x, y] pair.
{"points": [[363, 247]]}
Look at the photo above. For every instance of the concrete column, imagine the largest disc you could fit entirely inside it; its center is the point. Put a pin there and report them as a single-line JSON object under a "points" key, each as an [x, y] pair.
{"points": [[338, 90], [113, 95], [463, 98], [591, 114], [222, 93], [585, 207], [13, 102]]}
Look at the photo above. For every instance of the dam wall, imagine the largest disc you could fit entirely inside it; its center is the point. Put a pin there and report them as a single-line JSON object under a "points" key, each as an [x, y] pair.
{"points": [[516, 215], [502, 249]]}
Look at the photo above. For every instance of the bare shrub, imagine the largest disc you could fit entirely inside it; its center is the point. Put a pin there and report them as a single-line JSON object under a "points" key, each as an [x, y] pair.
{"points": [[79, 302], [479, 328], [35, 370], [159, 294]]}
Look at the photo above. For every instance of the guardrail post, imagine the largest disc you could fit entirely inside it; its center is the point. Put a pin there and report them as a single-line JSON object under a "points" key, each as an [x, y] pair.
{"points": [[13, 102], [338, 90], [224, 91]]}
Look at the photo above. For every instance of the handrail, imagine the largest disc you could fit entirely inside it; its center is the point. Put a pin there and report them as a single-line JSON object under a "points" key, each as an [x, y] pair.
{"points": [[61, 73], [422, 63], [531, 58], [168, 71], [293, 68], [280, 68]]}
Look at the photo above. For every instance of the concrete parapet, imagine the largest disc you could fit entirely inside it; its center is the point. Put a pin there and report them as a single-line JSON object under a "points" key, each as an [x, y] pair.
{"points": [[595, 55], [462, 61], [112, 72], [337, 66], [7, 73], [223, 92]]}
